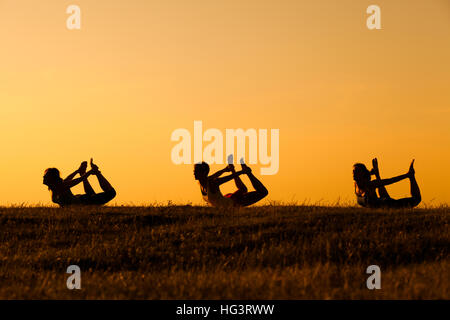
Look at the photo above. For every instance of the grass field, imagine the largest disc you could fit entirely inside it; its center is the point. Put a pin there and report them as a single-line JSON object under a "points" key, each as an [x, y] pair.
{"points": [[184, 252]]}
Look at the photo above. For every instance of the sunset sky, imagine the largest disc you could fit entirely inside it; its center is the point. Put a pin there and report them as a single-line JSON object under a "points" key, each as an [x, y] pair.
{"points": [[139, 69]]}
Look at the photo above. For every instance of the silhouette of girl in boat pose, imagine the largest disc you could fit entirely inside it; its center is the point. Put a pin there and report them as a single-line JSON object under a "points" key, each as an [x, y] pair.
{"points": [[60, 188], [365, 188], [210, 186]]}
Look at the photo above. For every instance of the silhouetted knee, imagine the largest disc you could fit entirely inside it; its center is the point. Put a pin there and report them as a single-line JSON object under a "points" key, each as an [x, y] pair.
{"points": [[416, 201], [112, 194], [263, 192]]}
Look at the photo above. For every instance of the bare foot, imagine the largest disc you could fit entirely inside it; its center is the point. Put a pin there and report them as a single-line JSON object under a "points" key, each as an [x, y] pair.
{"points": [[82, 168], [94, 167]]}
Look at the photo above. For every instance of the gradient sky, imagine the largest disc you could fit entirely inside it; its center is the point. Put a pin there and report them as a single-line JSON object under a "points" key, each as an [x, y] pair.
{"points": [[137, 70]]}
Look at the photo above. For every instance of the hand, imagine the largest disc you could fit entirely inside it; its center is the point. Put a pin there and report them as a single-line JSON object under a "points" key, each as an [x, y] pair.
{"points": [[375, 169], [230, 167]]}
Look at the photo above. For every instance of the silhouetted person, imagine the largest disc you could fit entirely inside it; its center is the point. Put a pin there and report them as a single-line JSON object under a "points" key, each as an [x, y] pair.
{"points": [[210, 186], [62, 195], [365, 188]]}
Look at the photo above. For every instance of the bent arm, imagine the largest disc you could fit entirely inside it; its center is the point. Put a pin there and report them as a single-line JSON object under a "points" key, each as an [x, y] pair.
{"points": [[384, 182]]}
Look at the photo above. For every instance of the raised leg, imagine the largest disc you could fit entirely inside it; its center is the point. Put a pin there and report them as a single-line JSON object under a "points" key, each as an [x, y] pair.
{"points": [[104, 184], [415, 198], [260, 192], [415, 191], [86, 185], [237, 180]]}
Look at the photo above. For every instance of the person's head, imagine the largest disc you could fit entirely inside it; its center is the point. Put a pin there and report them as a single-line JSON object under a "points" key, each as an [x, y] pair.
{"points": [[360, 173], [201, 170], [51, 177]]}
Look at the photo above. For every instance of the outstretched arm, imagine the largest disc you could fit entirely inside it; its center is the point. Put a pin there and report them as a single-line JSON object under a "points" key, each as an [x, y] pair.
{"points": [[71, 176], [219, 173], [81, 170], [380, 183], [76, 181], [222, 180], [384, 182]]}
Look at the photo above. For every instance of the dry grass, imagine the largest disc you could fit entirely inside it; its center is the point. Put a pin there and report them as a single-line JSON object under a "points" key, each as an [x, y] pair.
{"points": [[184, 252]]}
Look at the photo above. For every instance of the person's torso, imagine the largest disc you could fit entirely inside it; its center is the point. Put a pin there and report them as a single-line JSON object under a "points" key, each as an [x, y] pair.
{"points": [[214, 196], [63, 197], [365, 196]]}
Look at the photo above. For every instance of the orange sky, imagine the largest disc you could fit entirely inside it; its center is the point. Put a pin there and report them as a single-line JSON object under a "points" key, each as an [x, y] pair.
{"points": [[137, 70]]}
